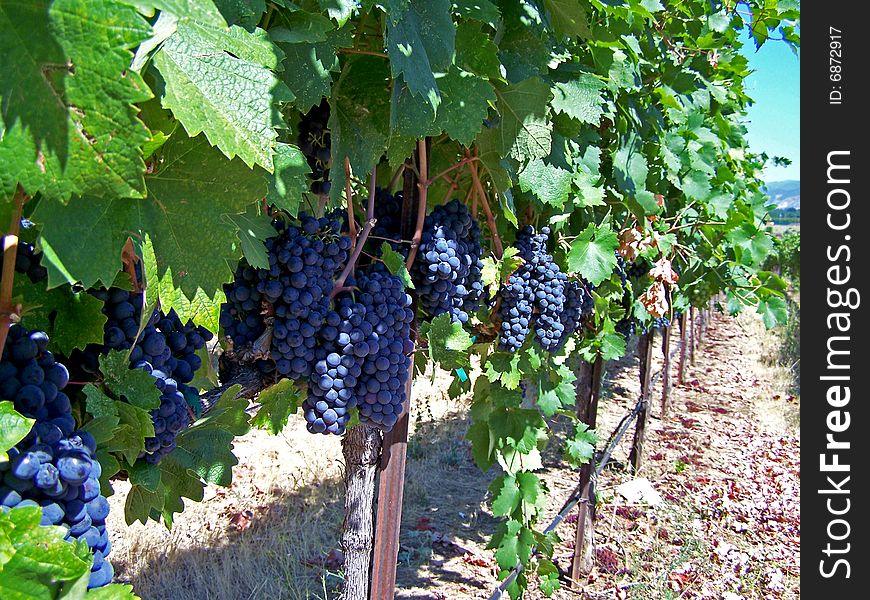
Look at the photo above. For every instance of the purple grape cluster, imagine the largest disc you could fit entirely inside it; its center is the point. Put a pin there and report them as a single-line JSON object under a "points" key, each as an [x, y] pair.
{"points": [[54, 466], [364, 358], [447, 270], [539, 296]]}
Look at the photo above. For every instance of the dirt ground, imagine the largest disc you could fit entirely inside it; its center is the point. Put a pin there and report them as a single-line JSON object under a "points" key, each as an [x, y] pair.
{"points": [[725, 461]]}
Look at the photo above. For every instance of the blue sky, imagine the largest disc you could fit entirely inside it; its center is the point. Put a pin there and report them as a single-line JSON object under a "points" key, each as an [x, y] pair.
{"points": [[774, 119]]}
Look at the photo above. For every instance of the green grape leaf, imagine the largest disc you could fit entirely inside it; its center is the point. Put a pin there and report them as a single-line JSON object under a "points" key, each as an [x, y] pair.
{"points": [[569, 18], [13, 427], [607, 344], [504, 367], [254, 228], [53, 311], [592, 253], [550, 184], [465, 101], [395, 263], [134, 425], [105, 223], [548, 577], [515, 546], [246, 13], [113, 591], [773, 311], [524, 131], [277, 403], [643, 203], [340, 10], [533, 494], [140, 504], [420, 41], [580, 98], [476, 52], [359, 119], [104, 411], [289, 182], [630, 167], [411, 118], [482, 444], [34, 558], [751, 245], [68, 118], [552, 398], [203, 454], [506, 496], [495, 272], [479, 10], [203, 11], [448, 342], [302, 27], [499, 169], [696, 185], [189, 194], [136, 385], [205, 448], [308, 67], [580, 448], [217, 85], [144, 474]]}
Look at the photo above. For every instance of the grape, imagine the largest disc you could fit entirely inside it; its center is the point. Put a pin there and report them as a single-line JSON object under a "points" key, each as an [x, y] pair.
{"points": [[621, 270], [54, 466], [661, 323], [98, 509], [101, 575], [314, 141], [388, 215], [626, 327], [447, 270], [27, 262], [165, 346]]}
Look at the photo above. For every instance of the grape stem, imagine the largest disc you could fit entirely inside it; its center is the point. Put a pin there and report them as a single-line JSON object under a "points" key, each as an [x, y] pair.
{"points": [[422, 188], [465, 161], [395, 178], [10, 250], [363, 236], [351, 221], [128, 259], [481, 193]]}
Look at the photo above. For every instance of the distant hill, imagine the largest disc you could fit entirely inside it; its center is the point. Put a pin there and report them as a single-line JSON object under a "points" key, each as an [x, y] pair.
{"points": [[785, 194]]}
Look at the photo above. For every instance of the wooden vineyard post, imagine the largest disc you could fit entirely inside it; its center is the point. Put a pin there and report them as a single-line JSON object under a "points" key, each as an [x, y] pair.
{"points": [[692, 335], [391, 490], [666, 369], [391, 486], [645, 350], [684, 338], [361, 447], [588, 389]]}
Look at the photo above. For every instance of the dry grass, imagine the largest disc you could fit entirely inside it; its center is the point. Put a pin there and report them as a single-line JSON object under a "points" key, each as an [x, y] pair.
{"points": [[249, 541]]}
